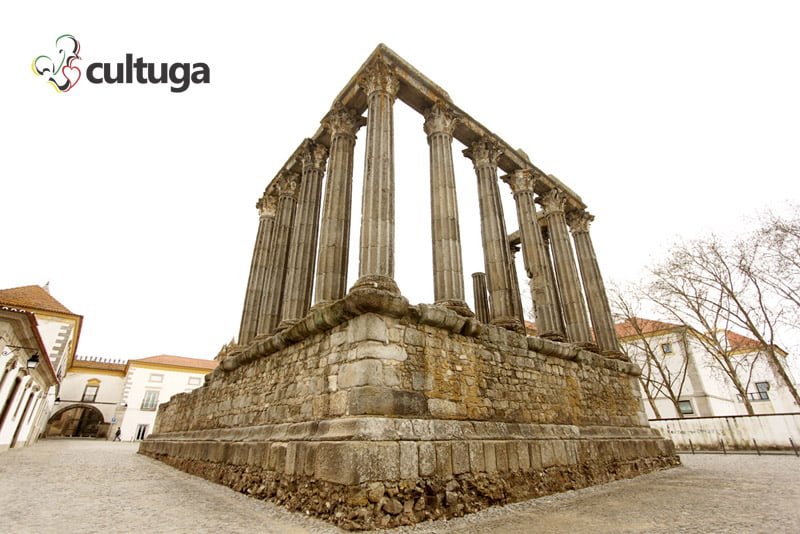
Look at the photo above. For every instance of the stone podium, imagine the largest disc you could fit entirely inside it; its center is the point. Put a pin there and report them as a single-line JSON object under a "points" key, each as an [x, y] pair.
{"points": [[370, 412]]}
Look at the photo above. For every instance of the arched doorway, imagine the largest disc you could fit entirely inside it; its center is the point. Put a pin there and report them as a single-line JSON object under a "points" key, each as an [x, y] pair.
{"points": [[77, 420]]}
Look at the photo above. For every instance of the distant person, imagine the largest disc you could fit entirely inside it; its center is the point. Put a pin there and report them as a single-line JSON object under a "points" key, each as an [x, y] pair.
{"points": [[117, 434]]}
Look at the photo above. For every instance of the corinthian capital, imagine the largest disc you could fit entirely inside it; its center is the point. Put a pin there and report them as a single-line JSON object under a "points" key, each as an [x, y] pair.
{"points": [[553, 201], [313, 155], [484, 152], [267, 204], [439, 119], [342, 120], [287, 186], [379, 77], [521, 180], [579, 221]]}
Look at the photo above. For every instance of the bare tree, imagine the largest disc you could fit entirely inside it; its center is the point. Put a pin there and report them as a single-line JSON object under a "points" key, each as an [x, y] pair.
{"points": [[704, 286], [769, 263], [662, 374], [778, 255]]}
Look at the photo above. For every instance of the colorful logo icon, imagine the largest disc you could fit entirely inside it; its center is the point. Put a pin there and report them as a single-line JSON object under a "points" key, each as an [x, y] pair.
{"points": [[59, 72]]}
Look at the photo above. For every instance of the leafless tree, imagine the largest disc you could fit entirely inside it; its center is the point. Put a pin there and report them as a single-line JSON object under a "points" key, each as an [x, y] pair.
{"points": [[662, 374], [710, 288]]}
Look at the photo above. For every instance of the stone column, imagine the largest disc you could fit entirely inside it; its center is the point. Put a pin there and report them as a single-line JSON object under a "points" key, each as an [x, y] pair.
{"points": [[596, 297], [484, 155], [334, 238], [552, 287], [548, 323], [481, 300], [519, 311], [266, 206], [271, 301], [376, 253], [576, 321], [305, 230], [448, 271]]}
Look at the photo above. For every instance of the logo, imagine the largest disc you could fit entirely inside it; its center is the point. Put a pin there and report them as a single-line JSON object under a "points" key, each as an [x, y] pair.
{"points": [[64, 76]]}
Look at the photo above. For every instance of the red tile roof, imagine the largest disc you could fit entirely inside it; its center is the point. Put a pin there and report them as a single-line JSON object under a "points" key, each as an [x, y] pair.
{"points": [[178, 361], [739, 342], [647, 326], [32, 297], [736, 341]]}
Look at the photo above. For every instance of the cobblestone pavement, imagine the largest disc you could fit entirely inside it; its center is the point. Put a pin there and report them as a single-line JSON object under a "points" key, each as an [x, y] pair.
{"points": [[70, 486]]}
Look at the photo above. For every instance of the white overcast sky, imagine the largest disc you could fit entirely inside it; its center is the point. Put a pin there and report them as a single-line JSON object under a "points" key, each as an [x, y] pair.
{"points": [[137, 204]]}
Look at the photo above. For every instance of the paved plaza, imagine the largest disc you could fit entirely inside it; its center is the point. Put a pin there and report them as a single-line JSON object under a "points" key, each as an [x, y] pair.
{"points": [[90, 486]]}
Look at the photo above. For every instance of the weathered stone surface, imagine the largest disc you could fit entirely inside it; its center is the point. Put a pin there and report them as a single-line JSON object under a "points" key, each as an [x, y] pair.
{"points": [[367, 327], [374, 400], [460, 457], [360, 373], [427, 459], [409, 460]]}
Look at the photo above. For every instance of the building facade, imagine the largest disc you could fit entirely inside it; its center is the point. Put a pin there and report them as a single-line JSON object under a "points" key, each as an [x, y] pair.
{"points": [[677, 366], [26, 378], [152, 381], [88, 399], [99, 395], [38, 338]]}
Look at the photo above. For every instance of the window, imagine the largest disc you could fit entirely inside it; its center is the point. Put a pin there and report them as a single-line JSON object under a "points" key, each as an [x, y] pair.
{"points": [[686, 407], [667, 348], [150, 401], [158, 378], [90, 391], [761, 393], [141, 432], [194, 380]]}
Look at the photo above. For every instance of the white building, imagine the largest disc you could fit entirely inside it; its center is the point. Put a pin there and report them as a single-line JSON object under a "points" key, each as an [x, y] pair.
{"points": [[88, 398], [152, 381], [672, 355], [38, 337], [99, 396]]}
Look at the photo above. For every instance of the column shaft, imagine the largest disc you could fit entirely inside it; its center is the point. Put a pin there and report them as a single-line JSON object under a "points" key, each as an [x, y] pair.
{"points": [[334, 239], [305, 230], [519, 311], [596, 296], [575, 319], [534, 252], [272, 298], [448, 271], [376, 252], [481, 300], [484, 154], [255, 283], [552, 286]]}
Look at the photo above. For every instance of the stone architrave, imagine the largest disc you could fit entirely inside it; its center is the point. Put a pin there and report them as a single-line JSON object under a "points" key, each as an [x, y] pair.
{"points": [[534, 252], [334, 238], [305, 230], [576, 321], [266, 206], [448, 271], [596, 297], [376, 252], [481, 300], [484, 154], [272, 299]]}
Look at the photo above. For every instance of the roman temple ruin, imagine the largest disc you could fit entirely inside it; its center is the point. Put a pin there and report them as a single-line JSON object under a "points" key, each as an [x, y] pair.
{"points": [[367, 411]]}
